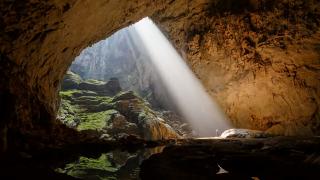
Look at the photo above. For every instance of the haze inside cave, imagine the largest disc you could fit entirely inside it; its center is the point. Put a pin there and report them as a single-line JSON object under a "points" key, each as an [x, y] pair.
{"points": [[139, 60], [258, 59], [183, 86]]}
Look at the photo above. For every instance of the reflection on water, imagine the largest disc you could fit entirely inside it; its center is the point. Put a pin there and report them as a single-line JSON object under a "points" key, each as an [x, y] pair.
{"points": [[118, 165]]}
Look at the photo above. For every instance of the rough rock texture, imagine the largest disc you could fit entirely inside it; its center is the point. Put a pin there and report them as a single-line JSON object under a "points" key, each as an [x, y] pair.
{"points": [[137, 111], [92, 107], [260, 59]]}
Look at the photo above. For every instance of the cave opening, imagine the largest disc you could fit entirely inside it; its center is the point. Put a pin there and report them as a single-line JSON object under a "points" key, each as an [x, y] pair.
{"points": [[258, 59], [134, 83], [137, 62]]}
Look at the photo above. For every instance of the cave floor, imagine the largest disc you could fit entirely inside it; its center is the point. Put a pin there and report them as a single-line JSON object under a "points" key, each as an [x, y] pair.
{"points": [[208, 158]]}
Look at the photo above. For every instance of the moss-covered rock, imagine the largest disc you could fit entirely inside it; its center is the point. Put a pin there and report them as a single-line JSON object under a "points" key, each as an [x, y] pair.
{"points": [[71, 81], [109, 88], [95, 120], [103, 108], [68, 113], [125, 113], [139, 112], [84, 110]]}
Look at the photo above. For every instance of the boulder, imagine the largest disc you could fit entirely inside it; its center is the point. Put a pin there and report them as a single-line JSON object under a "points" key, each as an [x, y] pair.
{"points": [[244, 133], [119, 126], [71, 81], [137, 111], [113, 86]]}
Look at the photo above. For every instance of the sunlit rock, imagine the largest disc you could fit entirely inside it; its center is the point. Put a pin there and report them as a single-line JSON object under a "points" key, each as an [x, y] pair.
{"points": [[139, 112], [244, 133]]}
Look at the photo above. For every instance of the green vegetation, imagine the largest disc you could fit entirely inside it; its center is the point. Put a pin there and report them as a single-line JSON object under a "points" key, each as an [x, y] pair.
{"points": [[94, 121], [85, 109], [89, 168], [67, 112], [69, 93]]}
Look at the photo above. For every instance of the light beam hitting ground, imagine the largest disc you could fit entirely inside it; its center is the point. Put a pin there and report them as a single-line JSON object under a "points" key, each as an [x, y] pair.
{"points": [[188, 93]]}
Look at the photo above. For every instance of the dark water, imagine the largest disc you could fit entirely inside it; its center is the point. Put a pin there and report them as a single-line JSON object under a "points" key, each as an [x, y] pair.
{"points": [[117, 165]]}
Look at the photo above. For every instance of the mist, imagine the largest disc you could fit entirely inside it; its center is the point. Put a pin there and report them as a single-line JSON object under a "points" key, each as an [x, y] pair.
{"points": [[190, 97]]}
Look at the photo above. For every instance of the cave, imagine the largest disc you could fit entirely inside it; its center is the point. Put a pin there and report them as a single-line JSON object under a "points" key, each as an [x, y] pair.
{"points": [[258, 59]]}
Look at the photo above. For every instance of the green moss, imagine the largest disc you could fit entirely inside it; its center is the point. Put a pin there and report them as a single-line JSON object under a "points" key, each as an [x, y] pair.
{"points": [[68, 93], [85, 106], [85, 167], [87, 100], [67, 112], [75, 93], [94, 121], [95, 99], [104, 99]]}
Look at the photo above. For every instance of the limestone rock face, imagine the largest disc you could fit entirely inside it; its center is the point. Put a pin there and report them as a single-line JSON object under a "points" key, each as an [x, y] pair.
{"points": [[259, 59], [139, 112]]}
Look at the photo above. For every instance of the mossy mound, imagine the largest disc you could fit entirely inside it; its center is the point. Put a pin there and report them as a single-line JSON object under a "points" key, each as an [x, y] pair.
{"points": [[85, 110], [94, 112], [101, 107], [96, 120]]}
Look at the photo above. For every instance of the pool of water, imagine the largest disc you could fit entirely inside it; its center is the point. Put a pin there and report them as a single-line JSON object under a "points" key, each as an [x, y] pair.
{"points": [[116, 164]]}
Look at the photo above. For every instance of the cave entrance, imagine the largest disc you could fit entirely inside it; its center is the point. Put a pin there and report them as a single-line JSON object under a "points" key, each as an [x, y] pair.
{"points": [[135, 83]]}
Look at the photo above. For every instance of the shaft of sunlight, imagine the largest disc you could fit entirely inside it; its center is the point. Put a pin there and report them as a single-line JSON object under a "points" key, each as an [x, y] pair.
{"points": [[188, 93]]}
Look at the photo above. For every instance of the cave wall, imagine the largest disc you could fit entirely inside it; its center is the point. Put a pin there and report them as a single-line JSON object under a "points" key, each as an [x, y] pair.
{"points": [[38, 41], [259, 59]]}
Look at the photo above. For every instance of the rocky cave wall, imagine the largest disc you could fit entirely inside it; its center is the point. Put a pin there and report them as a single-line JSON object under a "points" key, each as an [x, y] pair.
{"points": [[259, 59]]}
